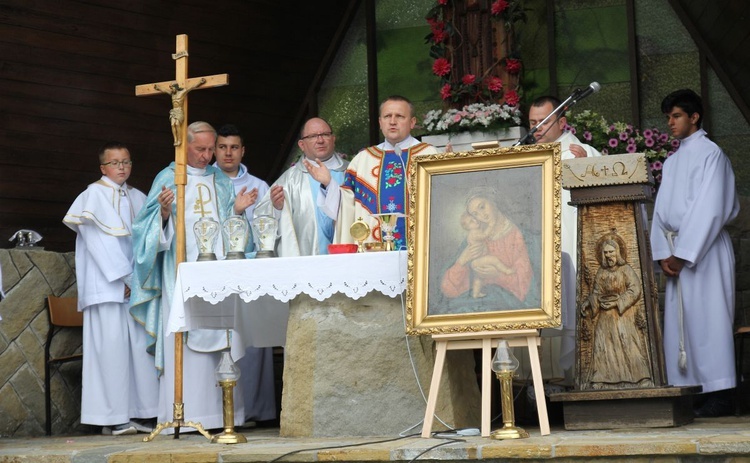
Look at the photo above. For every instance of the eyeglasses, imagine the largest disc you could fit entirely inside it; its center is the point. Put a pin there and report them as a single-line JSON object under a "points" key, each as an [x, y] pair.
{"points": [[325, 135], [125, 164]]}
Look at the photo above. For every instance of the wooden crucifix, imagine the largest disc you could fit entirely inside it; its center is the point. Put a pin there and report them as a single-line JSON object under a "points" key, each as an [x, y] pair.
{"points": [[178, 117]]}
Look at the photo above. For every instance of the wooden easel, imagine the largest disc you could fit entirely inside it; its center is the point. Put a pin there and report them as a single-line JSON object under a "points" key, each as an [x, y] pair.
{"points": [[181, 84], [485, 340]]}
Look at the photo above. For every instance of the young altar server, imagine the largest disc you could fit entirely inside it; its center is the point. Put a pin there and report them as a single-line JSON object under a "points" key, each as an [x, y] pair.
{"points": [[256, 382], [119, 384], [696, 200]]}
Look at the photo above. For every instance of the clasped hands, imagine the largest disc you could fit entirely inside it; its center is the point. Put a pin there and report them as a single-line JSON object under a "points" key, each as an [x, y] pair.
{"points": [[672, 265]]}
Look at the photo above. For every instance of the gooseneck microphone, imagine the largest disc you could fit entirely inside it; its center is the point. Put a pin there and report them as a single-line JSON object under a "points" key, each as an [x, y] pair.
{"points": [[574, 98]]}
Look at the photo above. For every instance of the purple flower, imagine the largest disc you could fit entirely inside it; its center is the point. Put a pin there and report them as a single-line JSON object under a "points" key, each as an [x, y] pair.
{"points": [[648, 133], [663, 137], [613, 142], [573, 130], [656, 165], [612, 128], [675, 143], [670, 153], [623, 136], [587, 136], [605, 151], [658, 178], [630, 149], [649, 142]]}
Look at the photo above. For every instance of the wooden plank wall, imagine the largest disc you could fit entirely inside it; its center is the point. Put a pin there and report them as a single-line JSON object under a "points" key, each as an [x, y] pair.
{"points": [[68, 69]]}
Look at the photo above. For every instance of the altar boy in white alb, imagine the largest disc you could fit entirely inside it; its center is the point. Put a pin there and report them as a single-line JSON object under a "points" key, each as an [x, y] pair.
{"points": [[696, 200], [119, 383]]}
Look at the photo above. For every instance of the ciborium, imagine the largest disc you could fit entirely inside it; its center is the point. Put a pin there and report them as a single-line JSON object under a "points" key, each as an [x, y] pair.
{"points": [[265, 232], [206, 231]]}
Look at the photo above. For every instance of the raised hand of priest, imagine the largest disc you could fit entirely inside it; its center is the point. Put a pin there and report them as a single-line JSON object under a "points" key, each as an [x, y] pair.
{"points": [[318, 170], [245, 199], [165, 198], [277, 197]]}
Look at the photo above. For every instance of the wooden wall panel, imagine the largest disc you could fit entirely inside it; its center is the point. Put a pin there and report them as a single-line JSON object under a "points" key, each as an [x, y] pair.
{"points": [[68, 72]]}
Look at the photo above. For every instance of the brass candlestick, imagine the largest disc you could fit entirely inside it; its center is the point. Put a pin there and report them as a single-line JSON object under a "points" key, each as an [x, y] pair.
{"points": [[227, 375], [505, 365]]}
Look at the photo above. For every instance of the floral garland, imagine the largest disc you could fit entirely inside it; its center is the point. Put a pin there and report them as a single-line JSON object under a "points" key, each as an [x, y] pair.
{"points": [[619, 137], [492, 106], [471, 87]]}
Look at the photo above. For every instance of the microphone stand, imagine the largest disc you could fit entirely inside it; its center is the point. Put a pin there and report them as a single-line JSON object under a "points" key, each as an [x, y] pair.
{"points": [[564, 106]]}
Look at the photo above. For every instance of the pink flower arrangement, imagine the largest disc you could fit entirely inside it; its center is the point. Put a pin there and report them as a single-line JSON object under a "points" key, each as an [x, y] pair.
{"points": [[513, 66], [618, 137], [498, 6]]}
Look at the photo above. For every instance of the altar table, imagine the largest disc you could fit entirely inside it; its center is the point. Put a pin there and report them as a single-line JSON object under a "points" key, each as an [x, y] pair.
{"points": [[348, 370]]}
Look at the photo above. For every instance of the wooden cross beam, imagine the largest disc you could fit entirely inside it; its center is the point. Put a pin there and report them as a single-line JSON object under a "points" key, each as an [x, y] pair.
{"points": [[178, 117]]}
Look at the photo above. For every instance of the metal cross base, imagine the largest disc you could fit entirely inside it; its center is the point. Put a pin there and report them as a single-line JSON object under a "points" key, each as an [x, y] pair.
{"points": [[177, 424]]}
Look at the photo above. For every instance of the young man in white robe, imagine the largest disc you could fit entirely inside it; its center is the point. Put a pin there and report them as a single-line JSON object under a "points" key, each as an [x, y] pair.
{"points": [[256, 382], [305, 227], [375, 181], [561, 350], [208, 193], [696, 200], [119, 383]]}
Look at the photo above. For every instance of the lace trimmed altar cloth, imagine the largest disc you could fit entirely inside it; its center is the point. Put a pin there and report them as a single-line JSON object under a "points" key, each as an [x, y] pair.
{"points": [[252, 295]]}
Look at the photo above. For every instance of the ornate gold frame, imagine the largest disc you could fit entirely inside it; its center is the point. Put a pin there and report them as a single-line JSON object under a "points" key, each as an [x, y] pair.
{"points": [[422, 172]]}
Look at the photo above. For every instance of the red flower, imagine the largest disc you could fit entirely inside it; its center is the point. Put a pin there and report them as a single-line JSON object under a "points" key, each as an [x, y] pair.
{"points": [[498, 6], [445, 92], [443, 2], [439, 35], [391, 180], [513, 65], [468, 79], [441, 67], [512, 98], [495, 84]]}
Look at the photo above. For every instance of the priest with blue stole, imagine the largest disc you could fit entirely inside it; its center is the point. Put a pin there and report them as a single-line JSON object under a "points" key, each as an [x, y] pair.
{"points": [[208, 193], [375, 181], [307, 216]]}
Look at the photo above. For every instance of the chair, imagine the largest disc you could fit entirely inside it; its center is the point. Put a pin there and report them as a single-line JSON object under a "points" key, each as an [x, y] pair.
{"points": [[739, 353], [62, 313]]}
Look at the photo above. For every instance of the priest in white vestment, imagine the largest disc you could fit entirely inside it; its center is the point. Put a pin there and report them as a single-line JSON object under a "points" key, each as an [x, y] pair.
{"points": [[306, 222], [375, 181], [560, 351], [695, 201], [208, 193], [256, 366], [119, 382]]}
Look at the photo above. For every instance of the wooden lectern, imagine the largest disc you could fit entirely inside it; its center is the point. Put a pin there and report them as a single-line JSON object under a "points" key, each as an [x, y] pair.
{"points": [[620, 377]]}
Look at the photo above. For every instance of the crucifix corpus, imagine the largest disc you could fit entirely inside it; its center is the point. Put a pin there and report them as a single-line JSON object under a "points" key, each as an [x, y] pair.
{"points": [[178, 116]]}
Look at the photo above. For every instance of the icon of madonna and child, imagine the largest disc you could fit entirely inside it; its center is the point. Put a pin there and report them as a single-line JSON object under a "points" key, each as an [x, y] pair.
{"points": [[486, 255]]}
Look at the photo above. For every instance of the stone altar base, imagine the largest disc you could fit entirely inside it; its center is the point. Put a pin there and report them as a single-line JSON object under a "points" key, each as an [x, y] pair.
{"points": [[627, 408], [347, 372]]}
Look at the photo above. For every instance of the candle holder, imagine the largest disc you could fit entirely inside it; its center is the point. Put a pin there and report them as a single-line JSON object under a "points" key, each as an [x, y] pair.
{"points": [[505, 364], [227, 374], [206, 231], [235, 230]]}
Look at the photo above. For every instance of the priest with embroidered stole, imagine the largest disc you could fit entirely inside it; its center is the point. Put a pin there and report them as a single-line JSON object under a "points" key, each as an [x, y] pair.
{"points": [[208, 193], [307, 216], [119, 384], [376, 180]]}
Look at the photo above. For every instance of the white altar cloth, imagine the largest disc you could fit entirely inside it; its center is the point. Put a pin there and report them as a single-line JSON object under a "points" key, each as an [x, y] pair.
{"points": [[252, 295]]}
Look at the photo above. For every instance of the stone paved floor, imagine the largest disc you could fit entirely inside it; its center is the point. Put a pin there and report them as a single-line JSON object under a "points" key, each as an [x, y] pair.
{"points": [[712, 440]]}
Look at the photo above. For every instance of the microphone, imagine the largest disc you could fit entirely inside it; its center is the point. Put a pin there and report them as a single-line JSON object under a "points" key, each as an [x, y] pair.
{"points": [[581, 94]]}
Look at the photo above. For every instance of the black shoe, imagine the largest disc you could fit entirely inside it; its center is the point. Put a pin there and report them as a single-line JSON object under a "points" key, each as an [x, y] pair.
{"points": [[715, 407]]}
